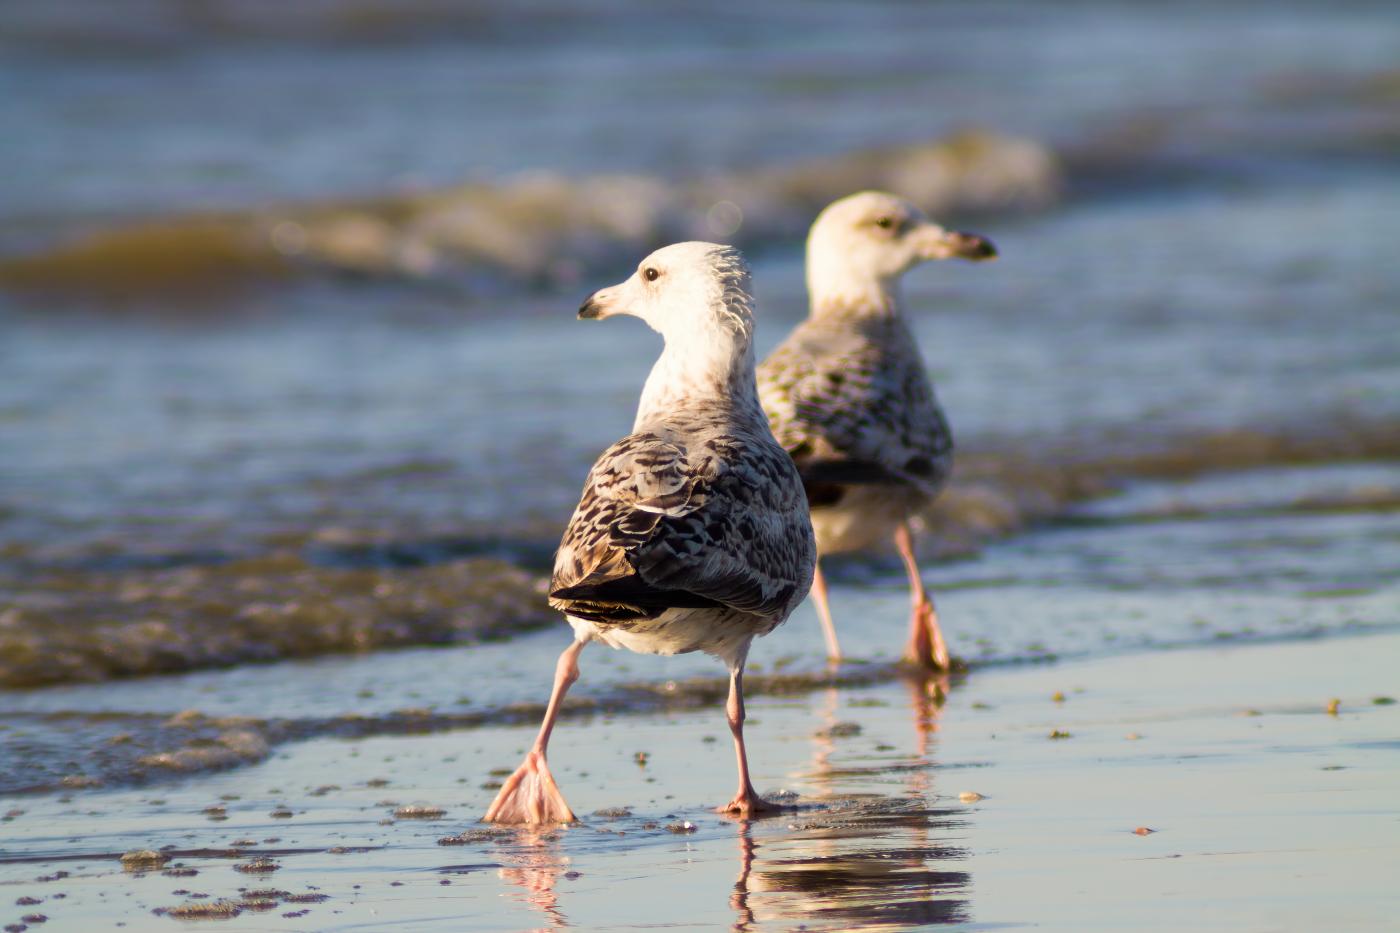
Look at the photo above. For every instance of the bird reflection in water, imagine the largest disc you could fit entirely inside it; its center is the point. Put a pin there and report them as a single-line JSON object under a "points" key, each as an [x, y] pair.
{"points": [[860, 860], [533, 862], [739, 900]]}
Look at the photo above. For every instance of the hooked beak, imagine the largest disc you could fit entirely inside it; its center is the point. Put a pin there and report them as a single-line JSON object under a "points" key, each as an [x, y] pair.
{"points": [[936, 243], [600, 304], [590, 309]]}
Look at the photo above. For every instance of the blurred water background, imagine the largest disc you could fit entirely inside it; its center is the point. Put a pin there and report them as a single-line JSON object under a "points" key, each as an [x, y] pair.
{"points": [[288, 363]]}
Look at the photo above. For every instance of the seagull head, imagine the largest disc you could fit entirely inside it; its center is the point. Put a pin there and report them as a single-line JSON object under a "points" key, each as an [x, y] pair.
{"points": [[683, 289], [868, 240]]}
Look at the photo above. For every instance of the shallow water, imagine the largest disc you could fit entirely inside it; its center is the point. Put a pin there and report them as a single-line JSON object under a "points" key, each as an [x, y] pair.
{"points": [[336, 465], [1226, 754], [308, 461], [1163, 566]]}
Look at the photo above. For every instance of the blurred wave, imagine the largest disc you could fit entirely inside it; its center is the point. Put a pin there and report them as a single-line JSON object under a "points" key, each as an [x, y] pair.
{"points": [[543, 230]]}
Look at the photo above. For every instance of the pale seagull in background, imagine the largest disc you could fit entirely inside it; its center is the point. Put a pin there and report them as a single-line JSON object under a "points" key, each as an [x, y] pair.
{"points": [[848, 397], [693, 532]]}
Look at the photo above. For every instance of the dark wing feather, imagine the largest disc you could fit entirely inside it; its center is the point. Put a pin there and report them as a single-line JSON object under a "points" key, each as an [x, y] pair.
{"points": [[661, 527], [849, 473], [852, 404]]}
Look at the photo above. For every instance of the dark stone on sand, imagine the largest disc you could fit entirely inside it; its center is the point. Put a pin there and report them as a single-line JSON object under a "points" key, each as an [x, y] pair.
{"points": [[613, 813], [840, 730], [214, 910], [306, 898], [257, 866]]}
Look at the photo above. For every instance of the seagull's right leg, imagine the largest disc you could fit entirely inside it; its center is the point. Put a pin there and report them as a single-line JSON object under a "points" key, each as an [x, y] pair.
{"points": [[746, 801], [530, 794], [833, 647], [926, 647]]}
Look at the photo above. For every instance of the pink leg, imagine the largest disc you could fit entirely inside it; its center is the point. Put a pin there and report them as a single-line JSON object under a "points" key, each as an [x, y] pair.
{"points": [[833, 647], [746, 802], [926, 647], [530, 794]]}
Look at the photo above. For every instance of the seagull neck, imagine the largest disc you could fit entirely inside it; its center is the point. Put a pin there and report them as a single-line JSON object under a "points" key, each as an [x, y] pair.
{"points": [[854, 298], [709, 374]]}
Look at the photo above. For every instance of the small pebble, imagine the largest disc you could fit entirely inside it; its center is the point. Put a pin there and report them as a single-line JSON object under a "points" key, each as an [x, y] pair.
{"points": [[214, 910], [840, 730], [970, 796], [1059, 734], [1333, 705], [680, 828], [419, 812], [1058, 696], [143, 860], [257, 866], [1144, 831]]}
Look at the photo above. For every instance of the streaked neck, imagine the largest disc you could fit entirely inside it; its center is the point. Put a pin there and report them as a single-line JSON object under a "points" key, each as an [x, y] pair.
{"points": [[713, 374], [835, 294]]}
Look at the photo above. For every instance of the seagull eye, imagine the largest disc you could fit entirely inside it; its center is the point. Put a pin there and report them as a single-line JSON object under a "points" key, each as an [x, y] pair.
{"points": [[650, 274], [885, 223]]}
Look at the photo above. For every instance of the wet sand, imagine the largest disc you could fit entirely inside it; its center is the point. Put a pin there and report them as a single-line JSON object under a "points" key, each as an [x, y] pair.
{"points": [[1266, 811]]}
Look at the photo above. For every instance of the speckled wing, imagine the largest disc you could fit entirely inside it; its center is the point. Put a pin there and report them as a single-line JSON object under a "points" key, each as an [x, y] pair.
{"points": [[661, 526], [855, 407]]}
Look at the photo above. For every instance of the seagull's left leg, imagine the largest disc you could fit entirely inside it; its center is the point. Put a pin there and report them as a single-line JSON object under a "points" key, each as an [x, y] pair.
{"points": [[926, 647], [746, 802], [530, 794]]}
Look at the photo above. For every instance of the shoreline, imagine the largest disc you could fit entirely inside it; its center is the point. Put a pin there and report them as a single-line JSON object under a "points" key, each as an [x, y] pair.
{"points": [[1236, 757]]}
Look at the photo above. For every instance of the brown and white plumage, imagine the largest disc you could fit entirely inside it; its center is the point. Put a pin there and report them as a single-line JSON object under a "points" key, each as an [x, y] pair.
{"points": [[685, 544], [848, 397], [692, 533]]}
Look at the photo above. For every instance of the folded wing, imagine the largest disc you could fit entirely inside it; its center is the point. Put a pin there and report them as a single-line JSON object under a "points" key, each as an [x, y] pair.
{"points": [[855, 412], [662, 527]]}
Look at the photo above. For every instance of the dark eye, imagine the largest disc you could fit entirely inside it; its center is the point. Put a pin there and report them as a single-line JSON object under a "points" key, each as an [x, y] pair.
{"points": [[650, 274], [885, 223]]}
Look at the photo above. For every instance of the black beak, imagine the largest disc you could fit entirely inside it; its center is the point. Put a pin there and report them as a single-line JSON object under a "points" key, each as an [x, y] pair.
{"points": [[589, 310], [972, 246]]}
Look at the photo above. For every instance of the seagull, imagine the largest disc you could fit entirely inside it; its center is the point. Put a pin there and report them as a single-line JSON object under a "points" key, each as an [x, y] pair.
{"points": [[693, 531], [847, 395]]}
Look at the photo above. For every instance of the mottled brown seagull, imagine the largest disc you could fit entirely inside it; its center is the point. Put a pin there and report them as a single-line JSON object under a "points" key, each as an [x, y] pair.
{"points": [[693, 531], [848, 397]]}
